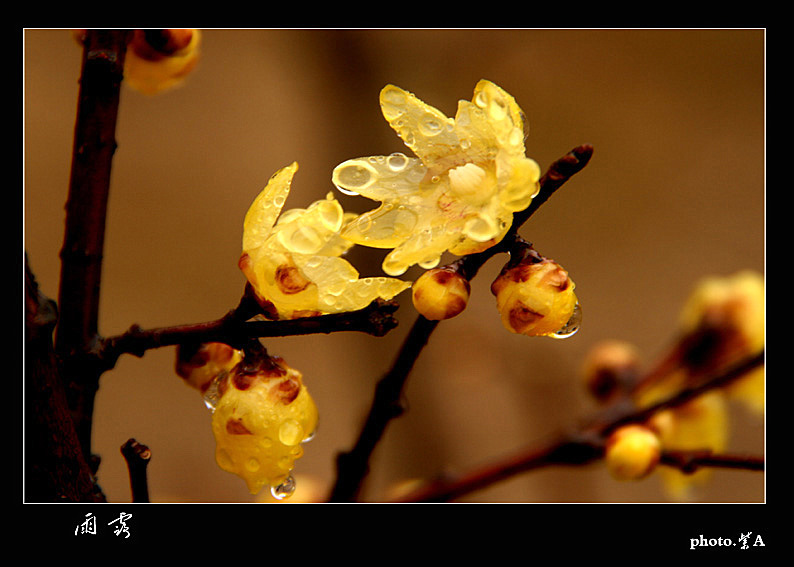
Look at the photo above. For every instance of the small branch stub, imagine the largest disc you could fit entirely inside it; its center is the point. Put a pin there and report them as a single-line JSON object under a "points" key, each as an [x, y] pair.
{"points": [[137, 456]]}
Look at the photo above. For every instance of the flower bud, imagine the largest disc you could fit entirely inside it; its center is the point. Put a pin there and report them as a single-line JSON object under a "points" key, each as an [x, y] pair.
{"points": [[536, 298], [158, 60], [610, 367], [632, 452], [262, 417], [440, 293]]}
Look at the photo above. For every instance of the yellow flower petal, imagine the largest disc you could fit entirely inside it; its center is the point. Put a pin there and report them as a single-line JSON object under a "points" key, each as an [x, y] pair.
{"points": [[292, 258], [471, 175]]}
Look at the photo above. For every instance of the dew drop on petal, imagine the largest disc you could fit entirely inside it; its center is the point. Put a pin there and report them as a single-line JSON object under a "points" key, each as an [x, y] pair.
{"points": [[352, 177], [309, 437], [572, 326], [397, 161], [284, 490], [291, 433], [430, 126], [481, 228], [430, 263]]}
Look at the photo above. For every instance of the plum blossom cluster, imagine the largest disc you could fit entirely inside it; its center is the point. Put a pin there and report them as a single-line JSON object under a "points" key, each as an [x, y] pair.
{"points": [[457, 194]]}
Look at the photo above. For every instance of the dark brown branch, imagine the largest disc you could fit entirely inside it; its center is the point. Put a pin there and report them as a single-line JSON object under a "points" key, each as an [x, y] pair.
{"points": [[55, 468], [234, 329], [587, 445], [687, 394], [353, 465], [137, 457], [690, 461], [86, 210]]}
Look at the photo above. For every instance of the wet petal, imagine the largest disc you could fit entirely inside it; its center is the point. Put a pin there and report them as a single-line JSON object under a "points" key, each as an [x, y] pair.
{"points": [[263, 212], [426, 130]]}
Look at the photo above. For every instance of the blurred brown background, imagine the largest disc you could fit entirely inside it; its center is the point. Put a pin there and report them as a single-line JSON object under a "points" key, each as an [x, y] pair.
{"points": [[674, 192]]}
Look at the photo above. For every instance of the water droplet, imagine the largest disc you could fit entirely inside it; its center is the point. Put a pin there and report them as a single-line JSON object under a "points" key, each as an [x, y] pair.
{"points": [[347, 192], [397, 161], [430, 263], [283, 490], [291, 433], [354, 176], [212, 393], [429, 125], [572, 326], [465, 144], [252, 465], [309, 437], [481, 228], [394, 267]]}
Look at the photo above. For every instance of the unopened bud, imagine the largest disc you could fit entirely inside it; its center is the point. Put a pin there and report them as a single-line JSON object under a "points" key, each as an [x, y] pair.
{"points": [[158, 60], [536, 298], [262, 418], [440, 293], [610, 367], [154, 45], [632, 452]]}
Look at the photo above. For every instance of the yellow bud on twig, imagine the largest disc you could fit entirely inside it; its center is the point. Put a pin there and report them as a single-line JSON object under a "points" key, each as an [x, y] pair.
{"points": [[632, 452], [440, 293]]}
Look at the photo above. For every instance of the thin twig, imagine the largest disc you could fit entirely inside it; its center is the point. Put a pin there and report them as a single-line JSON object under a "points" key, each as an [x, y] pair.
{"points": [[234, 329], [690, 461], [353, 466], [137, 457], [587, 445]]}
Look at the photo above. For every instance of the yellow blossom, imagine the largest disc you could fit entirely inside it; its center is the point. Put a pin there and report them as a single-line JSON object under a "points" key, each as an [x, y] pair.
{"points": [[700, 424], [730, 310], [458, 194], [292, 259]]}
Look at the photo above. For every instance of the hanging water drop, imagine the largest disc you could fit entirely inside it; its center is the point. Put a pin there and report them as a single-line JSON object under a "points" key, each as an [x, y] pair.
{"points": [[212, 394], [284, 490], [572, 326]]}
